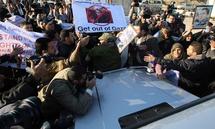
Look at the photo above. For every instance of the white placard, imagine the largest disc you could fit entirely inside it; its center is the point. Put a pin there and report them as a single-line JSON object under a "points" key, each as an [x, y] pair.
{"points": [[125, 38], [97, 17]]}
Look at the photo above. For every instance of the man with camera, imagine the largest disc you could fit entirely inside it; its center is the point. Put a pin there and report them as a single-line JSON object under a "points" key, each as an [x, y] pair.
{"points": [[105, 56], [46, 49], [41, 72], [69, 91], [144, 12], [68, 94]]}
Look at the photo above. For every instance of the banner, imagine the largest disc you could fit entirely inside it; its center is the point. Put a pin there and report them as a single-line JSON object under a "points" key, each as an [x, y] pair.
{"points": [[125, 38], [11, 35], [97, 17]]}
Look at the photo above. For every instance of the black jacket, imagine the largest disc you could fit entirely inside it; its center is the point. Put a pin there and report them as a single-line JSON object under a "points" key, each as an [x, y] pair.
{"points": [[195, 74]]}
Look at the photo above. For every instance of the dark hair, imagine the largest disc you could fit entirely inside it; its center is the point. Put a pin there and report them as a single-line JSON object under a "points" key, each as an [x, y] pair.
{"points": [[171, 15], [144, 26], [197, 47], [50, 34], [206, 9], [76, 72], [64, 34], [41, 44], [25, 23]]}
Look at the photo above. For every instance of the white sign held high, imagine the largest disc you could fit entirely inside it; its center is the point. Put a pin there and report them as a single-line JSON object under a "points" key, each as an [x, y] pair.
{"points": [[95, 17], [125, 37]]}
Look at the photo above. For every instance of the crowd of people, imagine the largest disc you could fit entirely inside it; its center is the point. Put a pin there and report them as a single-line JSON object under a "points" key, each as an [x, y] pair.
{"points": [[57, 84]]}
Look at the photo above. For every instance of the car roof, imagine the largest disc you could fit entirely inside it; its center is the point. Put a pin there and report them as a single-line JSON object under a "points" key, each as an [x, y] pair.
{"points": [[127, 91]]}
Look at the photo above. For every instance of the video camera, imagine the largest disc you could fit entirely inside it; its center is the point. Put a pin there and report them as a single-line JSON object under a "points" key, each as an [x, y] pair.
{"points": [[36, 59], [91, 75]]}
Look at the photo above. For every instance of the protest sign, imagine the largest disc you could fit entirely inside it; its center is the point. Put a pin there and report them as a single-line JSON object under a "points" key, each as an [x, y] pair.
{"points": [[125, 38], [11, 35], [202, 16], [97, 17]]}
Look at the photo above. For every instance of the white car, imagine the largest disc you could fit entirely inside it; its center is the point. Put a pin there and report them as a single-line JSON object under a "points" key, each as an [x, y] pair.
{"points": [[198, 114], [122, 96]]}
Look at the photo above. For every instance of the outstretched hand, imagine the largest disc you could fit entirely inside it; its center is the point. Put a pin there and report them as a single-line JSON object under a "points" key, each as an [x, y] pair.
{"points": [[39, 70], [16, 51], [149, 58], [159, 72]]}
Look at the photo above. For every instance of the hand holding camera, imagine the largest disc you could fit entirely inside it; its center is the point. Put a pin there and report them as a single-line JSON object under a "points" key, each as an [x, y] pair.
{"points": [[91, 78], [91, 83]]}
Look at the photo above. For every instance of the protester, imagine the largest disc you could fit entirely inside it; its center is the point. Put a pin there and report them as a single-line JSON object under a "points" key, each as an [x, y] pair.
{"points": [[105, 56], [177, 52], [142, 45], [65, 55], [27, 26], [165, 40], [196, 72]]}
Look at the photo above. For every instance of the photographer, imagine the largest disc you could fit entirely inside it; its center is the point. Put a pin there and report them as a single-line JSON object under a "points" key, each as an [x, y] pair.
{"points": [[133, 13], [105, 56], [47, 49], [70, 91], [41, 73]]}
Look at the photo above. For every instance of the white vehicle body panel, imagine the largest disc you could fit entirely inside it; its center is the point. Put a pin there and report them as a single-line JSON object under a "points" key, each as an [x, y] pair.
{"points": [[127, 91], [198, 117]]}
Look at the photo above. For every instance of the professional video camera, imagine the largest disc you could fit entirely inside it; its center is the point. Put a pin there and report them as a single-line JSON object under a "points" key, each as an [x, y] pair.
{"points": [[91, 75]]}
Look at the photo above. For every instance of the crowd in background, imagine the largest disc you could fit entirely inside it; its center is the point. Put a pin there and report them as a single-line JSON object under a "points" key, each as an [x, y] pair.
{"points": [[57, 84]]}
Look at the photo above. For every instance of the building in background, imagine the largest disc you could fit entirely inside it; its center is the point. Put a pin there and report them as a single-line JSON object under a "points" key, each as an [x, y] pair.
{"points": [[212, 2]]}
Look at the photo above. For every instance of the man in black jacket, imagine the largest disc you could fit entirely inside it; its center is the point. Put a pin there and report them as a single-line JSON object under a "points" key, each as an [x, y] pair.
{"points": [[196, 72]]}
